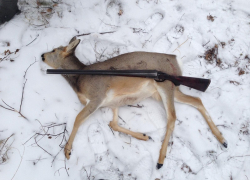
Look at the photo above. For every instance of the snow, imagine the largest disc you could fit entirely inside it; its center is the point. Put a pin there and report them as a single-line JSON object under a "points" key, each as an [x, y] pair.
{"points": [[117, 27]]}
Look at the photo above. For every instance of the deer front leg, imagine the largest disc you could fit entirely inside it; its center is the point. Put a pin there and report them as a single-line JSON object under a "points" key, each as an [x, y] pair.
{"points": [[114, 125], [80, 118], [166, 91]]}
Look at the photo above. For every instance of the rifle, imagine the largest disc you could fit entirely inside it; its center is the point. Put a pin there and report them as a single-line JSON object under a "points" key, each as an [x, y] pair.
{"points": [[195, 83]]}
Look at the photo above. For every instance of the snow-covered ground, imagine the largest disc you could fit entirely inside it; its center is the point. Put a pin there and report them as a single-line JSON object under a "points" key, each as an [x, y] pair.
{"points": [[211, 37]]}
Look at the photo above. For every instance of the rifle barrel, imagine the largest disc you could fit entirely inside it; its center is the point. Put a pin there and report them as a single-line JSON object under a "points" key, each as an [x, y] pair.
{"points": [[196, 83], [130, 73]]}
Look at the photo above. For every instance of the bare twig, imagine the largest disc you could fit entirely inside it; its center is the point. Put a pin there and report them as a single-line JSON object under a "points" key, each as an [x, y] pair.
{"points": [[65, 166], [111, 130], [20, 161], [7, 108], [25, 72], [58, 170], [181, 17], [138, 106], [22, 100], [109, 32], [5, 142], [46, 130], [122, 119], [210, 162], [181, 45], [238, 156], [35, 161], [42, 148], [7, 54], [88, 175], [41, 125], [33, 40], [20, 108], [205, 44], [86, 34], [55, 157]]}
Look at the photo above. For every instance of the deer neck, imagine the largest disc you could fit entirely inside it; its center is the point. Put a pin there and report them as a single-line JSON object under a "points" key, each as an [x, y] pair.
{"points": [[72, 62]]}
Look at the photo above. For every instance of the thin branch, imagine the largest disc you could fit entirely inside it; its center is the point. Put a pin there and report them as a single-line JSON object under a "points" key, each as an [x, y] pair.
{"points": [[56, 156], [22, 99], [42, 148], [6, 108], [238, 156], [210, 162], [41, 125], [88, 175], [6, 142], [86, 34], [8, 105], [20, 161], [33, 40], [20, 108], [109, 32], [181, 18], [58, 171], [52, 125], [138, 106], [181, 45], [111, 130], [65, 166], [122, 119], [28, 69], [29, 139], [205, 44]]}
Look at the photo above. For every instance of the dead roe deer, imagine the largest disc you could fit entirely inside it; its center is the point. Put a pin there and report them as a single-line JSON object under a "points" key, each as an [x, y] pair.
{"points": [[115, 91]]}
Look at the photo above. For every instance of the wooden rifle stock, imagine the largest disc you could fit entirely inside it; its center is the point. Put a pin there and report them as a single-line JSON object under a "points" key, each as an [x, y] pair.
{"points": [[195, 83]]}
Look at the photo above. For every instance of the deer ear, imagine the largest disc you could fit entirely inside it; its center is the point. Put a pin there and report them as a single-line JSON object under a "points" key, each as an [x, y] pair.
{"points": [[72, 46]]}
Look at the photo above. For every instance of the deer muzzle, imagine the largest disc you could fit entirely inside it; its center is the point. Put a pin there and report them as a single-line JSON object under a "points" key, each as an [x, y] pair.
{"points": [[43, 57]]}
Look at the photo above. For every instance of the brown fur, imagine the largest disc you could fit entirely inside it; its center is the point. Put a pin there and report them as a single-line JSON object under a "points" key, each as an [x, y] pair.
{"points": [[115, 91]]}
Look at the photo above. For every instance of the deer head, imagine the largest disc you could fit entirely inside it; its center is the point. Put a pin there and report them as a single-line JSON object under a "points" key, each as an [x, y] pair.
{"points": [[63, 57]]}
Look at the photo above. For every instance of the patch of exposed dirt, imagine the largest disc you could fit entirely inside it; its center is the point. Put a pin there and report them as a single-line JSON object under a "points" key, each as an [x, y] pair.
{"points": [[211, 55], [210, 18]]}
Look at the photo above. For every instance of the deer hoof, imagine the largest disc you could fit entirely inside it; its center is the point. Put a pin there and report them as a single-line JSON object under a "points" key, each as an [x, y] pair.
{"points": [[225, 144], [67, 152], [158, 166], [149, 137]]}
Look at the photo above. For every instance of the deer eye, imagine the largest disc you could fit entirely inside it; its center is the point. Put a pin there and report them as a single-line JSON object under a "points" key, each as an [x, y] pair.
{"points": [[53, 51]]}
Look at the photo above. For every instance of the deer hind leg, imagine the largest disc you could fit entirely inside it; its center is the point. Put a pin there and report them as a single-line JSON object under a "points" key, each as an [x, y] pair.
{"points": [[114, 125], [80, 118], [197, 103], [166, 91]]}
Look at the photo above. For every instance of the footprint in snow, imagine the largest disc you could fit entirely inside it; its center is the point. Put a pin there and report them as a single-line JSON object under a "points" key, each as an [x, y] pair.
{"points": [[148, 25], [107, 166], [96, 139], [103, 161], [153, 21], [143, 169]]}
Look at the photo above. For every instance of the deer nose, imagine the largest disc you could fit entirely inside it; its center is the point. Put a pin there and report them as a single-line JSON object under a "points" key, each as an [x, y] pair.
{"points": [[43, 57]]}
